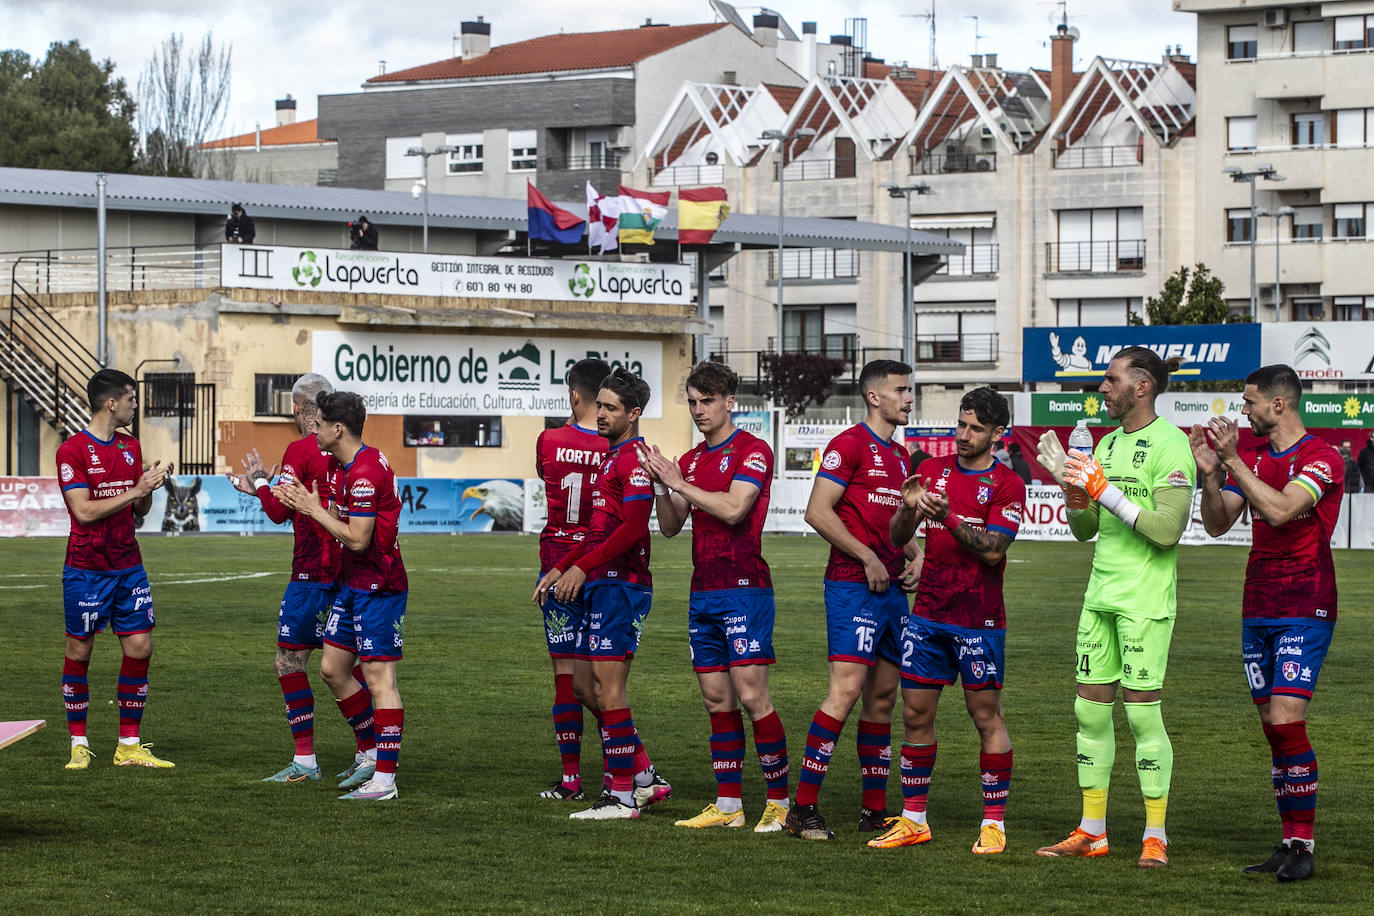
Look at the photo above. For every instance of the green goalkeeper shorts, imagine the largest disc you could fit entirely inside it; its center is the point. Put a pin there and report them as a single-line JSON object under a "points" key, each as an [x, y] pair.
{"points": [[1114, 647]]}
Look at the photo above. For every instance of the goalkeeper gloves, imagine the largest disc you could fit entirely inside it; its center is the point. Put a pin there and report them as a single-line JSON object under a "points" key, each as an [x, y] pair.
{"points": [[1050, 455], [1085, 471]]}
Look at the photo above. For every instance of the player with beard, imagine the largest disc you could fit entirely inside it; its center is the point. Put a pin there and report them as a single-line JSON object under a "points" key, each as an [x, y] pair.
{"points": [[309, 596], [1140, 480], [1293, 487], [856, 491], [104, 485], [566, 459], [612, 562], [724, 484], [972, 506]]}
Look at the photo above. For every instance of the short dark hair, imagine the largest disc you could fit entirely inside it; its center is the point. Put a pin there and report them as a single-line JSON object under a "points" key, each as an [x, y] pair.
{"points": [[106, 384], [585, 375], [711, 377], [1149, 362], [988, 405], [878, 370], [632, 390], [343, 407], [1277, 380]]}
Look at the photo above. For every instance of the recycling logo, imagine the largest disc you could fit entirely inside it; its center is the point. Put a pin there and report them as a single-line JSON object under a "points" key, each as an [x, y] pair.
{"points": [[307, 271], [581, 282]]}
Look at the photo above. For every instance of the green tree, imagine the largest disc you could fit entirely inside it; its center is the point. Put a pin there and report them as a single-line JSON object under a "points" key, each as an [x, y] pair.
{"points": [[797, 380], [1193, 297], [65, 112]]}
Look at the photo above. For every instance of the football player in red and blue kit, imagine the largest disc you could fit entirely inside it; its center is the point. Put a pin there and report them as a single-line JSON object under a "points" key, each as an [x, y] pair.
{"points": [[566, 459], [857, 489], [104, 484], [972, 505], [368, 618], [613, 563], [305, 606], [724, 484], [1293, 486]]}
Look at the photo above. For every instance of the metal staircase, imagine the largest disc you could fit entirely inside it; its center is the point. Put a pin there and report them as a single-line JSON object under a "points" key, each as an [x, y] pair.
{"points": [[44, 361]]}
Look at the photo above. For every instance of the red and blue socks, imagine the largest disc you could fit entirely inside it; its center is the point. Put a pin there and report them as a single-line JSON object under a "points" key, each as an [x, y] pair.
{"points": [[770, 742], [567, 727], [76, 697], [300, 715], [620, 742], [727, 758], [918, 762], [820, 747], [387, 726], [1299, 781], [131, 694], [357, 709], [874, 743], [994, 771]]}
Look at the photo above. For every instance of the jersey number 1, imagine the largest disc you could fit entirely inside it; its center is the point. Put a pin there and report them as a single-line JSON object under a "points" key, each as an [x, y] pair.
{"points": [[573, 484]]}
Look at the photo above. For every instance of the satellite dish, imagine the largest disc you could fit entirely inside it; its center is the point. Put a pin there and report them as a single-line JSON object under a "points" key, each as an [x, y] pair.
{"points": [[1074, 33]]}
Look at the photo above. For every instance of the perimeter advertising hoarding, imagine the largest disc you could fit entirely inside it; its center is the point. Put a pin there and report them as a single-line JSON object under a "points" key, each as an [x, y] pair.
{"points": [[1331, 350], [394, 273], [1183, 409], [470, 374], [1080, 355]]}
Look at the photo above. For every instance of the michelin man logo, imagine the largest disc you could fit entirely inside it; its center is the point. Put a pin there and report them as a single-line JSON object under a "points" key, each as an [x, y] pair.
{"points": [[1075, 361]]}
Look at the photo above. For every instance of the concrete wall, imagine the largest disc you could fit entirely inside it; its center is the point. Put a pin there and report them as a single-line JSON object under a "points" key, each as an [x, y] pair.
{"points": [[290, 165]]}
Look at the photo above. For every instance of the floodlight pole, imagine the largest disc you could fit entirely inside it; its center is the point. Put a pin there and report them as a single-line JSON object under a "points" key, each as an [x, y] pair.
{"points": [[783, 137], [425, 154], [1268, 173]]}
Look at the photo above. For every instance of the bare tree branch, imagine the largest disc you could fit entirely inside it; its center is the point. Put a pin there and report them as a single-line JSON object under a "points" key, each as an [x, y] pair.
{"points": [[183, 101]]}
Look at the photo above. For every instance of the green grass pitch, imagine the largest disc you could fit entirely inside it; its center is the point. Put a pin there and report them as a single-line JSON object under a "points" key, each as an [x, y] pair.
{"points": [[467, 833]]}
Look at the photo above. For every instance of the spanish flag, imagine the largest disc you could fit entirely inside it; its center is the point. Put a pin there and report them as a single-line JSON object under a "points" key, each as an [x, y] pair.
{"points": [[700, 211]]}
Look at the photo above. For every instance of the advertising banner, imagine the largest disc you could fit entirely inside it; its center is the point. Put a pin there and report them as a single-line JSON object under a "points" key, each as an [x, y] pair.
{"points": [[1209, 351], [472, 374], [1340, 350], [211, 504], [32, 507], [1182, 409], [394, 273]]}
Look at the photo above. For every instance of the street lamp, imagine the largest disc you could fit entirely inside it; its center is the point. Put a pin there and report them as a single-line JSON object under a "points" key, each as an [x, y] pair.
{"points": [[1268, 173], [443, 150], [904, 192], [783, 137], [1277, 214]]}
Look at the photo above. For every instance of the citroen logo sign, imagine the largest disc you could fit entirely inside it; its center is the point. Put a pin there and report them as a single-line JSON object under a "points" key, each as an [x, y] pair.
{"points": [[1312, 343]]}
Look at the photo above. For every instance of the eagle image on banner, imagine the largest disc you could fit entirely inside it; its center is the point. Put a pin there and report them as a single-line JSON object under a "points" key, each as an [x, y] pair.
{"points": [[640, 213], [700, 211], [603, 215]]}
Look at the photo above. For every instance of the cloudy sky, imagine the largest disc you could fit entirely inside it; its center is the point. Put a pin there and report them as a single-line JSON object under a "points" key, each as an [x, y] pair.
{"points": [[309, 49]]}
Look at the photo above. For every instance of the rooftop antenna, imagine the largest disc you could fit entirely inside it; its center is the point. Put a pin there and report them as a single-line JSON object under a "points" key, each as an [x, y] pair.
{"points": [[930, 17], [976, 36]]}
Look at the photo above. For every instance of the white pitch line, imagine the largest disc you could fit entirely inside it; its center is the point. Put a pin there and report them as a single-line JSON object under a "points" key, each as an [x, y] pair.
{"points": [[252, 575]]}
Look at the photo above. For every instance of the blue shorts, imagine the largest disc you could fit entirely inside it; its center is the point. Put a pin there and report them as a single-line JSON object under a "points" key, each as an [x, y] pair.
{"points": [[730, 628], [613, 621], [91, 599], [375, 621], [934, 654], [1283, 656], [304, 612], [561, 619], [863, 626]]}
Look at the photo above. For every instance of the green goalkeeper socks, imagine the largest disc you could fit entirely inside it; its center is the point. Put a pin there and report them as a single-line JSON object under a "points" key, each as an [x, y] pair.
{"points": [[1154, 754], [1096, 743]]}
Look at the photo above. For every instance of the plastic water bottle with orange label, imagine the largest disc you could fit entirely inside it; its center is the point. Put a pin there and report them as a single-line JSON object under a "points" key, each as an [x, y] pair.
{"points": [[1080, 441]]}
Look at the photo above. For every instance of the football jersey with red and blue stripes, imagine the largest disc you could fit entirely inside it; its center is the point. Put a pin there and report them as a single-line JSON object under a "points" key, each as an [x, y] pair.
{"points": [[317, 555], [106, 469], [368, 488], [957, 587], [871, 470], [620, 480], [1290, 572], [566, 459], [726, 556]]}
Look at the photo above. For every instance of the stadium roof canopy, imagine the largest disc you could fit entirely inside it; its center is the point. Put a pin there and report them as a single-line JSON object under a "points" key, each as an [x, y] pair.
{"points": [[146, 193]]}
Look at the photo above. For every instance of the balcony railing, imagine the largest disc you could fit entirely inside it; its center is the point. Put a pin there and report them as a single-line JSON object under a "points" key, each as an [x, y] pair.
{"points": [[815, 169], [1095, 257], [976, 261], [925, 162], [607, 160], [686, 174], [956, 348], [1097, 157], [137, 268], [815, 264]]}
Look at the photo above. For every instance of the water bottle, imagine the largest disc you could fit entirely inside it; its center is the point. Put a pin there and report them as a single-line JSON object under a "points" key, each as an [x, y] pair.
{"points": [[1080, 441]]}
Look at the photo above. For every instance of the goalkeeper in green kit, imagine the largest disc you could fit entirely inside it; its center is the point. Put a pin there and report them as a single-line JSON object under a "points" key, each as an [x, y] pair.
{"points": [[1140, 479]]}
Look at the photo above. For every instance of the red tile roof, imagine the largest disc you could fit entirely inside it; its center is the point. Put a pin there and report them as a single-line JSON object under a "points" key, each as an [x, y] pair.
{"points": [[553, 53], [287, 134]]}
